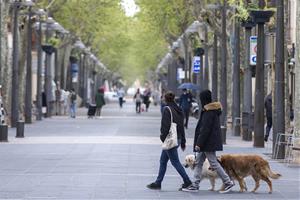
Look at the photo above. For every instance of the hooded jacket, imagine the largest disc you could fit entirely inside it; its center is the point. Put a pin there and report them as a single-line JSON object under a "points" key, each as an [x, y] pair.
{"points": [[208, 130], [178, 118]]}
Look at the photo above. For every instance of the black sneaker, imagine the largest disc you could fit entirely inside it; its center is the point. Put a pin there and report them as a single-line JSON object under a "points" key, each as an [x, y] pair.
{"points": [[154, 186], [190, 188], [227, 188]]}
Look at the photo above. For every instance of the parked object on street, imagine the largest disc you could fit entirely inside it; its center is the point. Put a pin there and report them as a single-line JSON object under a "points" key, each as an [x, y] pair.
{"points": [[91, 110], [195, 110], [111, 96], [240, 166]]}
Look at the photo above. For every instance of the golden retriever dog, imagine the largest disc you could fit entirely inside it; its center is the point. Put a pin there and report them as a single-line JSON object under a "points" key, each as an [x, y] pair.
{"points": [[240, 166], [211, 175]]}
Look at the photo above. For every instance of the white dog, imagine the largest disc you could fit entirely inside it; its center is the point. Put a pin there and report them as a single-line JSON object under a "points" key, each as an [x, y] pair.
{"points": [[207, 172]]}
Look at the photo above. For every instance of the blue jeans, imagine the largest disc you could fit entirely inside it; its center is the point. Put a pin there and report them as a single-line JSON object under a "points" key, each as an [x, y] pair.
{"points": [[73, 110], [171, 154]]}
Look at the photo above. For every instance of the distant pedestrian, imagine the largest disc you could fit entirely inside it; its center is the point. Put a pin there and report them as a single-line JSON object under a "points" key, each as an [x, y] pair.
{"points": [[185, 102], [268, 108], [138, 100], [100, 101], [171, 154], [208, 140], [2, 113], [146, 98], [121, 94], [72, 100]]}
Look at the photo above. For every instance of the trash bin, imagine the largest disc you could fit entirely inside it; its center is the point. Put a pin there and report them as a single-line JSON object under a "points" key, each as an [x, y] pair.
{"points": [[20, 129], [3, 133], [245, 125]]}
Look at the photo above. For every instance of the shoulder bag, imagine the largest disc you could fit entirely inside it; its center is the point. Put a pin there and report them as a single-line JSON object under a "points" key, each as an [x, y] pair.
{"points": [[171, 139]]}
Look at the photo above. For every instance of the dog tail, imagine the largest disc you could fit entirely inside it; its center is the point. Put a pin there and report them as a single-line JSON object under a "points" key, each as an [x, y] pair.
{"points": [[272, 174]]}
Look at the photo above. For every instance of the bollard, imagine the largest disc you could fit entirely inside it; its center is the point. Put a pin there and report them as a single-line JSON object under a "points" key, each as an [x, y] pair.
{"points": [[3, 133], [245, 124], [20, 129], [223, 132]]}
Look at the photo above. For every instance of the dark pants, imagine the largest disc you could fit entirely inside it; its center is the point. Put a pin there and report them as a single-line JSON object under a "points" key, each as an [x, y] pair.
{"points": [[268, 128], [138, 107], [171, 154], [121, 102], [186, 117]]}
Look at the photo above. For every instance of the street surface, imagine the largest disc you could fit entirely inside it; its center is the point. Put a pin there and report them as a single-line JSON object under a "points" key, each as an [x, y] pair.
{"points": [[113, 157]]}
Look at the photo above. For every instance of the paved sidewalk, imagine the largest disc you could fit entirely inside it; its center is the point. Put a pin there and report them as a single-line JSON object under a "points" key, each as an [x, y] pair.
{"points": [[112, 157]]}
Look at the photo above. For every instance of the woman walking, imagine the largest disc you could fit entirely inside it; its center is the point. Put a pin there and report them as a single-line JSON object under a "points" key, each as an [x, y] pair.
{"points": [[171, 110], [99, 99], [138, 100]]}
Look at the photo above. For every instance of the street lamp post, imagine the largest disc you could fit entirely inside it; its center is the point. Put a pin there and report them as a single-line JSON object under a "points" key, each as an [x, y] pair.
{"points": [[260, 17], [205, 67], [28, 90], [214, 78], [236, 108], [279, 115], [247, 100], [223, 88]]}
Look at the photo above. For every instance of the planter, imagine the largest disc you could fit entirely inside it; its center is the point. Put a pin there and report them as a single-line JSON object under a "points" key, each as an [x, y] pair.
{"points": [[261, 16], [248, 24], [73, 59], [49, 49], [199, 51]]}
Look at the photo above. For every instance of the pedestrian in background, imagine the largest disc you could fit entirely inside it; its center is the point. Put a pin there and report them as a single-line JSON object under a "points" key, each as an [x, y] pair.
{"points": [[171, 154], [185, 102], [207, 141], [138, 100], [146, 98], [268, 108], [100, 101], [72, 100], [121, 94]]}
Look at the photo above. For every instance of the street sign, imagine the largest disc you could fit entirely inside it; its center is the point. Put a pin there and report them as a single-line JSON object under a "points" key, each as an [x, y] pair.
{"points": [[253, 50], [196, 64]]}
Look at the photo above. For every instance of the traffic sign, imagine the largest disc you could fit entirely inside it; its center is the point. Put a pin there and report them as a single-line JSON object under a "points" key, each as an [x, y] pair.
{"points": [[253, 50], [196, 64]]}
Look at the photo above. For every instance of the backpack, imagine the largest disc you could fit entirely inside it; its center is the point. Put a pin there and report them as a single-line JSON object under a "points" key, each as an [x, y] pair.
{"points": [[73, 97]]}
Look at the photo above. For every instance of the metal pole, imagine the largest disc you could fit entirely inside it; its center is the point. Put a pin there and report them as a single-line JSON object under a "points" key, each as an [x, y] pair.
{"points": [[247, 100], [215, 69], [279, 115], [206, 67], [236, 108], [186, 62], [0, 42], [48, 77], [202, 72], [223, 92], [28, 94], [15, 70], [39, 73], [259, 90]]}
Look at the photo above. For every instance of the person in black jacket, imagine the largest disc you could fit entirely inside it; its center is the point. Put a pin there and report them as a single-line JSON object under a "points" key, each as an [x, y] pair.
{"points": [[171, 154], [208, 140], [268, 107]]}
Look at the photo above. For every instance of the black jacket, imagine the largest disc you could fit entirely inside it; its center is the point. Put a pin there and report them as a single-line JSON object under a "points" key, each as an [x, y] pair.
{"points": [[268, 106], [208, 130], [178, 118]]}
